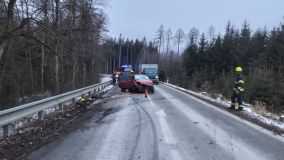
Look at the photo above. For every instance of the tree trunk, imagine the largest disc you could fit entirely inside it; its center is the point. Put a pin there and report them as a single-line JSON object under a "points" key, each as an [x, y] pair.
{"points": [[42, 63], [119, 60], [6, 26], [127, 56], [4, 69], [178, 47], [31, 71], [131, 61], [56, 47], [56, 73], [2, 47], [84, 74], [74, 74]]}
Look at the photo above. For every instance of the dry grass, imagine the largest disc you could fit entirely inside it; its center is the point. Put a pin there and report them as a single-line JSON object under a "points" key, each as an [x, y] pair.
{"points": [[259, 108]]}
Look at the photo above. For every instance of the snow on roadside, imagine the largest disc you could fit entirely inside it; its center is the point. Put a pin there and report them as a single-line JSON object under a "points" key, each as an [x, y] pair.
{"points": [[105, 78], [247, 110], [108, 87]]}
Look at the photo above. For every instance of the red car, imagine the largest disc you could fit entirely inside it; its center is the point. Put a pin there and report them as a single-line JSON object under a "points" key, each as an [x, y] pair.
{"points": [[139, 84]]}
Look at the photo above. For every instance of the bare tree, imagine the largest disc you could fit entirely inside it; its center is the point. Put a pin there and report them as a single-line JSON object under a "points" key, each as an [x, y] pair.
{"points": [[169, 37], [44, 6], [160, 37], [179, 38], [55, 26], [211, 33], [193, 36]]}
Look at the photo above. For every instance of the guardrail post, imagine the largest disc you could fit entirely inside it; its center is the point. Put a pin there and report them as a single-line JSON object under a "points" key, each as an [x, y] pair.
{"points": [[40, 115], [6, 131], [73, 100], [61, 107]]}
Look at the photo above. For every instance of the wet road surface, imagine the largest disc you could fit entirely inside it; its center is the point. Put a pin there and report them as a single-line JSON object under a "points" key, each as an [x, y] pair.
{"points": [[168, 125]]}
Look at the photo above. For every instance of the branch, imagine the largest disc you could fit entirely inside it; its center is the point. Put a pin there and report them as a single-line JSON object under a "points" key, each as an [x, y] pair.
{"points": [[38, 41], [25, 21]]}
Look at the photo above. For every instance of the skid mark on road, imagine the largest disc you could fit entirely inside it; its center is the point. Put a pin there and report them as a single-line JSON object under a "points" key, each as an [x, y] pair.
{"points": [[133, 151], [155, 153], [169, 138]]}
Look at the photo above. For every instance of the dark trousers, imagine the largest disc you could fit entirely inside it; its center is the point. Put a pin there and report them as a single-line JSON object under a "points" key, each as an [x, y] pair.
{"points": [[237, 96], [113, 80]]}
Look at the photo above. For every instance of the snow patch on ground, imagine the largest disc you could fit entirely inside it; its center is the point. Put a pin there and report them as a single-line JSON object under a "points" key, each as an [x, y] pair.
{"points": [[108, 87], [274, 120], [105, 78]]}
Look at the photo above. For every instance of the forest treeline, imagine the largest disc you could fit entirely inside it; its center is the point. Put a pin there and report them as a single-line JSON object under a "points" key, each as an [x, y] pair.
{"points": [[48, 47], [130, 52], [209, 60]]}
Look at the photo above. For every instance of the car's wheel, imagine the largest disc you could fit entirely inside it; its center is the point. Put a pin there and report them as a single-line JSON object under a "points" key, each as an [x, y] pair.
{"points": [[140, 88], [122, 90], [131, 90]]}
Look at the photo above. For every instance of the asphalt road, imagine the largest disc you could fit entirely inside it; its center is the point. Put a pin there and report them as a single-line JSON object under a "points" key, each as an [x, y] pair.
{"points": [[168, 125]]}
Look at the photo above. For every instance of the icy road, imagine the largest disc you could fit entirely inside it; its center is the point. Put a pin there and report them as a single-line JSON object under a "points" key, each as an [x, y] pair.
{"points": [[168, 125]]}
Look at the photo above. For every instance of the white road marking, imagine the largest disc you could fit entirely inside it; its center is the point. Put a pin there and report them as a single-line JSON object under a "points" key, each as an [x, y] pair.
{"points": [[169, 139], [161, 113], [175, 155]]}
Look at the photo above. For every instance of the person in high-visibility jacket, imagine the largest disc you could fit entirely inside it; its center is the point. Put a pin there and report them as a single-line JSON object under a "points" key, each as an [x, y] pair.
{"points": [[238, 90]]}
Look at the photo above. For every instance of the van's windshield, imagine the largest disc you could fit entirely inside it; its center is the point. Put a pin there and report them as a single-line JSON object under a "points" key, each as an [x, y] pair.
{"points": [[150, 70]]}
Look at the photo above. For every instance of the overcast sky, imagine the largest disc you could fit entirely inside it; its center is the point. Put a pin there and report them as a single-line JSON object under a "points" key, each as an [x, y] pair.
{"points": [[139, 18]]}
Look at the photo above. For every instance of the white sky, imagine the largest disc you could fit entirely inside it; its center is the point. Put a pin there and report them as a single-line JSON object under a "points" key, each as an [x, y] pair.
{"points": [[139, 18]]}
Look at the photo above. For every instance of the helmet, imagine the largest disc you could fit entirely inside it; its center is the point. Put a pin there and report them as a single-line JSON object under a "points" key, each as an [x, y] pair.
{"points": [[82, 100], [239, 69]]}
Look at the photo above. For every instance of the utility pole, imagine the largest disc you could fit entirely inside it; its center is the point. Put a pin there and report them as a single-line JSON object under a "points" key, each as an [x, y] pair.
{"points": [[119, 58], [131, 57], [127, 55]]}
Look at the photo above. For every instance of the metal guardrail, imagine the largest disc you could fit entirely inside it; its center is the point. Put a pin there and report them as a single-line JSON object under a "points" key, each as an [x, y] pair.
{"points": [[10, 115]]}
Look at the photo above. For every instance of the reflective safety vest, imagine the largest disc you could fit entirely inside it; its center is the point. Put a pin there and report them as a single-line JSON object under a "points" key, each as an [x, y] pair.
{"points": [[239, 82]]}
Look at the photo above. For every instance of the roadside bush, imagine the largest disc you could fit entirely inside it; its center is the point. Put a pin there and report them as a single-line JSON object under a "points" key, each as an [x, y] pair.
{"points": [[224, 85], [262, 86]]}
